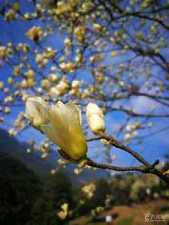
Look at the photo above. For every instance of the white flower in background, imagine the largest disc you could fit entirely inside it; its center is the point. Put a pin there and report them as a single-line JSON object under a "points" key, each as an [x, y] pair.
{"points": [[61, 123], [7, 110], [68, 67], [75, 87], [89, 190], [95, 118], [67, 43], [53, 77], [60, 89], [62, 86], [75, 84], [45, 84], [63, 213]]}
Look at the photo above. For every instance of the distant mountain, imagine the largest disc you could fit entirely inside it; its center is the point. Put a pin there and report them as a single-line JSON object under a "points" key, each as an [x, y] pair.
{"points": [[33, 161], [18, 149], [20, 187]]}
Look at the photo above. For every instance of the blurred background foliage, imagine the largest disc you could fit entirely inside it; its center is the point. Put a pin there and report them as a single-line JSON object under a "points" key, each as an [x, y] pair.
{"points": [[30, 197]]}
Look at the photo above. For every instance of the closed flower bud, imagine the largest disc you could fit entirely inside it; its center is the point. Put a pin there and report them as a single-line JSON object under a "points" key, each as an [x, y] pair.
{"points": [[12, 132], [30, 74], [54, 92], [3, 52], [17, 71], [10, 80], [10, 15], [97, 27], [68, 67], [24, 84], [7, 110], [79, 32], [45, 84], [1, 85], [62, 87], [95, 118], [35, 33], [52, 77], [50, 53], [30, 82], [67, 43], [75, 84]]}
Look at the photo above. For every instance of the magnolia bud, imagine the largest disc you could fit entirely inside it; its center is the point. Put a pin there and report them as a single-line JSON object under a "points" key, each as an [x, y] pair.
{"points": [[95, 118], [1, 85]]}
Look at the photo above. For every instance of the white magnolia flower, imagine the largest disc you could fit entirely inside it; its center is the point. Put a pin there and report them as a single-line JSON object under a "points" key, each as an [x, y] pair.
{"points": [[61, 123], [95, 118]]}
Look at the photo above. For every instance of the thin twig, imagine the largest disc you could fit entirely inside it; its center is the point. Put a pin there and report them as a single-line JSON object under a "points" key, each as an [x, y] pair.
{"points": [[125, 148]]}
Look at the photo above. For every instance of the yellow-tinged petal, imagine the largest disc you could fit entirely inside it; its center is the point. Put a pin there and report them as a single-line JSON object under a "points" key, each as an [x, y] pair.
{"points": [[36, 109], [166, 172], [65, 130], [96, 123], [65, 206], [62, 215]]}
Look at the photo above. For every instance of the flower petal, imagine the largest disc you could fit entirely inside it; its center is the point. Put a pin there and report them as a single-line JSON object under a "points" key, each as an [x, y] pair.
{"points": [[36, 109]]}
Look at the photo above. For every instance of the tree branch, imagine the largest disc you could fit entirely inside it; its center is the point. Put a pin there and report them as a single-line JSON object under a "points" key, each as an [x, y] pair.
{"points": [[146, 167], [113, 167], [127, 149], [142, 169]]}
